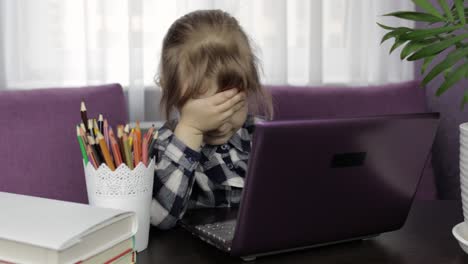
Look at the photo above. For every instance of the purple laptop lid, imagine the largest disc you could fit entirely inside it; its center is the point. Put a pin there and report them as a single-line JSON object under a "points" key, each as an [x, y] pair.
{"points": [[320, 181]]}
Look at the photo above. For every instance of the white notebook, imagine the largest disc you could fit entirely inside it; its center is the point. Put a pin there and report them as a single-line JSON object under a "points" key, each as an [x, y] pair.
{"points": [[39, 230]]}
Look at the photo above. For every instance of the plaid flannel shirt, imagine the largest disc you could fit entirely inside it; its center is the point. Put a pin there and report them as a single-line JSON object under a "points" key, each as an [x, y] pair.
{"points": [[184, 178]]}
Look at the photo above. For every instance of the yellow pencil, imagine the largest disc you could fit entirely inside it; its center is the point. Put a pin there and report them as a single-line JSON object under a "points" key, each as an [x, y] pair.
{"points": [[130, 138], [105, 151], [96, 127]]}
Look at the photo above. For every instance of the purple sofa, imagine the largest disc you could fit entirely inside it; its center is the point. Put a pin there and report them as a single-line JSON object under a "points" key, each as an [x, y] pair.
{"points": [[39, 152], [341, 102]]}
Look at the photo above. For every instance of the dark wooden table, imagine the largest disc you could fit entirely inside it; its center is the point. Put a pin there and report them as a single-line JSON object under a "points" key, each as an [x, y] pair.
{"points": [[425, 238]]}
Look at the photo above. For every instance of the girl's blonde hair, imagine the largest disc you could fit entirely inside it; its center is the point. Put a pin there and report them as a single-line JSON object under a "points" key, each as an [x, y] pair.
{"points": [[205, 47]]}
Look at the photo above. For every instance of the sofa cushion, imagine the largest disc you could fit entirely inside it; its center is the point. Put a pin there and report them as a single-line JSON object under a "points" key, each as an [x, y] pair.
{"points": [[342, 101], [39, 153]]}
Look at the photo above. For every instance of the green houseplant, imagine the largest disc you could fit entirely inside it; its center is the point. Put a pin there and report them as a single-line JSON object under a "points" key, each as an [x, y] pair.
{"points": [[446, 30]]}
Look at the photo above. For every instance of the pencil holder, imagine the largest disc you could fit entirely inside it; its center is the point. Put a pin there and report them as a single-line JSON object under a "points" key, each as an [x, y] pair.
{"points": [[129, 190]]}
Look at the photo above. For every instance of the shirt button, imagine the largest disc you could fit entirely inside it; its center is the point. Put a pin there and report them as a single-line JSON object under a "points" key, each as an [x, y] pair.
{"points": [[224, 147], [230, 166]]}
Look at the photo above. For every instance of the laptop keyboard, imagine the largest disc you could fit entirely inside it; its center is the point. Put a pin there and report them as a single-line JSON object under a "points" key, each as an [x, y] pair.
{"points": [[222, 232]]}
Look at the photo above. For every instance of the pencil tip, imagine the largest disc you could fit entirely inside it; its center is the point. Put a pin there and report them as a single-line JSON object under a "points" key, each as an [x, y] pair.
{"points": [[101, 118], [83, 106]]}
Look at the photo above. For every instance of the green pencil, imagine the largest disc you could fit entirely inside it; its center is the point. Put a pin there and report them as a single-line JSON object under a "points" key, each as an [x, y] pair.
{"points": [[127, 152], [82, 146]]}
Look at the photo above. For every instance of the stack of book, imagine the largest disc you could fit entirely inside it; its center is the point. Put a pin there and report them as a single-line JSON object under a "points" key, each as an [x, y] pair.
{"points": [[39, 230]]}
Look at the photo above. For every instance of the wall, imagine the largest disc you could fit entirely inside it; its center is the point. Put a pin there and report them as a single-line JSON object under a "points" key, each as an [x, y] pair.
{"points": [[446, 145]]}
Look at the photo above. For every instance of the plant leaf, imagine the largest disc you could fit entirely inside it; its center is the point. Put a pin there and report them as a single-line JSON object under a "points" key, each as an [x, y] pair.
{"points": [[385, 27], [397, 44], [412, 46], [426, 5], [416, 16], [395, 33], [454, 13], [446, 9], [460, 11], [436, 47], [419, 34], [447, 72], [426, 63], [451, 59], [453, 77]]}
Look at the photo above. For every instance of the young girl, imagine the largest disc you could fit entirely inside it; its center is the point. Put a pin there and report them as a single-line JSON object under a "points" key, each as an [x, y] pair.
{"points": [[208, 74]]}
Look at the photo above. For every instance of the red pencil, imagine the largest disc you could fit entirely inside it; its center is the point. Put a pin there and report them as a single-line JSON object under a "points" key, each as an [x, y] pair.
{"points": [[115, 148], [144, 152]]}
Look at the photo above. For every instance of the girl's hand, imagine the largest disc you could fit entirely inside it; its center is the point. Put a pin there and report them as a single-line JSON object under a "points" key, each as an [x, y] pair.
{"points": [[198, 116], [206, 114]]}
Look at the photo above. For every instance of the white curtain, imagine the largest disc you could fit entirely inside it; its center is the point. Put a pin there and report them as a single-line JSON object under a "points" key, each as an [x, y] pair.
{"points": [[46, 43]]}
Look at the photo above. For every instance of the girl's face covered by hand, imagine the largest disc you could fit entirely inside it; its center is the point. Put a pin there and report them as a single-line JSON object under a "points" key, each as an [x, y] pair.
{"points": [[222, 134]]}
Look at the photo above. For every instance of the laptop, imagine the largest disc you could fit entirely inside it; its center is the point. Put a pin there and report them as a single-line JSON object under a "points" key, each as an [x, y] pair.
{"points": [[318, 182]]}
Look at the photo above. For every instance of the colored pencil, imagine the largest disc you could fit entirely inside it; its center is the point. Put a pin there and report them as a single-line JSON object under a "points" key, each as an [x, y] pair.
{"points": [[82, 125], [153, 142], [144, 151], [128, 155], [83, 134], [82, 145], [138, 130], [136, 150], [120, 141], [111, 135], [96, 128], [130, 138], [84, 116], [149, 133], [106, 132], [97, 154], [92, 158], [100, 123], [105, 151], [99, 144], [90, 127], [115, 149]]}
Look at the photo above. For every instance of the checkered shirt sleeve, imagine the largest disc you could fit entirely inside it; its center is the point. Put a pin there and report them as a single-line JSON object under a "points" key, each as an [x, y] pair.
{"points": [[185, 178]]}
